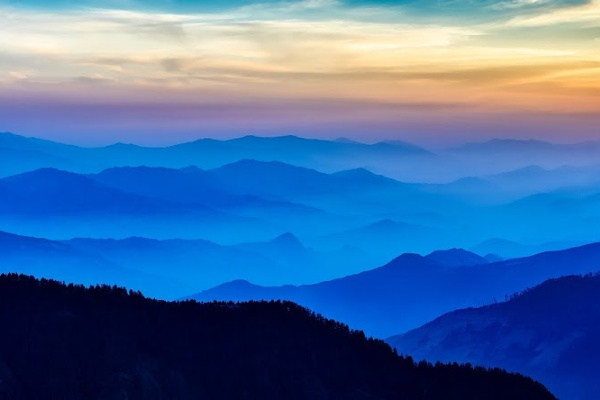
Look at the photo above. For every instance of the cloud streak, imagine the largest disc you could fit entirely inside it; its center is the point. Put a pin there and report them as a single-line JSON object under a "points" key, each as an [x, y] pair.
{"points": [[587, 14], [308, 51]]}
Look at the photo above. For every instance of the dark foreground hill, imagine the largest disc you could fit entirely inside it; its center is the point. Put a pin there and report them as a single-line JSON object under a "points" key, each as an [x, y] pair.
{"points": [[549, 332], [69, 342]]}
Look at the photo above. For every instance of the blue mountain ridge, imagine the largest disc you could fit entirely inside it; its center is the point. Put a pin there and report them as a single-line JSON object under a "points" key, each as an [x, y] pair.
{"points": [[412, 289], [549, 332]]}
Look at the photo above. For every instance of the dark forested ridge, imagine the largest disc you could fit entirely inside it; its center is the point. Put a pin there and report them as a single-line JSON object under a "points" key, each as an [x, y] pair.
{"points": [[69, 342]]}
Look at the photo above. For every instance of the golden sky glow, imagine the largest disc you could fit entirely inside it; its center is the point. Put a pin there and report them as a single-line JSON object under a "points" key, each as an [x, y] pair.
{"points": [[545, 60]]}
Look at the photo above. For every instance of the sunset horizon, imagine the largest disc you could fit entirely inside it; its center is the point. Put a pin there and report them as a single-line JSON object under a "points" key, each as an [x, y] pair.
{"points": [[154, 72]]}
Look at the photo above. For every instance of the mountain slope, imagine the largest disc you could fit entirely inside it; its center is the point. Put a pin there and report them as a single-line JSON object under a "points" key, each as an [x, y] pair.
{"points": [[249, 196], [497, 156], [278, 179], [56, 204], [19, 154], [61, 261], [194, 263], [191, 262], [307, 265], [69, 342], [411, 289], [50, 191], [188, 185], [550, 332], [140, 263], [16, 161]]}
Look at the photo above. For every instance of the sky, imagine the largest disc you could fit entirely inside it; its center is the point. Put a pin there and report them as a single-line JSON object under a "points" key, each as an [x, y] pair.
{"points": [[166, 71]]}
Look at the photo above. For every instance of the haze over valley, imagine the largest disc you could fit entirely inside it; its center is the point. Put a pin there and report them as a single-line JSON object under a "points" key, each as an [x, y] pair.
{"points": [[329, 225]]}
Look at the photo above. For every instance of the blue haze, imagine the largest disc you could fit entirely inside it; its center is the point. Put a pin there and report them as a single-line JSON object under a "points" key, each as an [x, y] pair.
{"points": [[385, 237]]}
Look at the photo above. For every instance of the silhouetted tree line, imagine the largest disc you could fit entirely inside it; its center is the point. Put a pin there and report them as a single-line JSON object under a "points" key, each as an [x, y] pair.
{"points": [[62, 341]]}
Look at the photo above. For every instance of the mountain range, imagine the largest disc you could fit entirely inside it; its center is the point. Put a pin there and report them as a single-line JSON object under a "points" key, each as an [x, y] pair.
{"points": [[241, 202], [412, 289], [139, 262], [207, 153], [522, 182], [246, 189], [319, 223], [397, 159], [245, 202]]}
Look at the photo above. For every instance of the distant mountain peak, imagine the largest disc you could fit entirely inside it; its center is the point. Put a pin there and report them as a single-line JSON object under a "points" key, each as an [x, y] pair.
{"points": [[255, 138], [238, 284], [408, 262], [356, 172], [406, 258], [121, 145], [49, 173], [246, 138], [385, 222], [288, 240], [456, 258]]}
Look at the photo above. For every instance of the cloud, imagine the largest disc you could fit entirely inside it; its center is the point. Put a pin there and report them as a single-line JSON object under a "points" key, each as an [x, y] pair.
{"points": [[296, 53], [519, 4], [19, 75], [206, 41], [587, 14], [310, 5]]}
